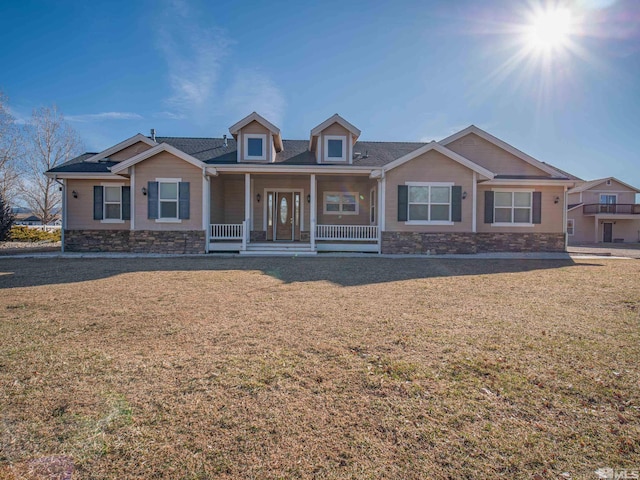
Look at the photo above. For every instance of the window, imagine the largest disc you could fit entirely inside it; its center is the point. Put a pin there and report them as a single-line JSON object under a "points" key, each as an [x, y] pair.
{"points": [[112, 203], [372, 206], [513, 207], [570, 226], [429, 203], [335, 148], [608, 203], [168, 198], [341, 203], [254, 146]]}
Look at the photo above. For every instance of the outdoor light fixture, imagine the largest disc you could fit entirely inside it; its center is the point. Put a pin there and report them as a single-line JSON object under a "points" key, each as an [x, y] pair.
{"points": [[75, 194], [309, 198], [556, 200], [464, 195], [144, 191], [258, 197]]}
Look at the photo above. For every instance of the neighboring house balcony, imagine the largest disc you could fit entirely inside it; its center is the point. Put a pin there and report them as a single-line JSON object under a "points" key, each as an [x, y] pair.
{"points": [[614, 210]]}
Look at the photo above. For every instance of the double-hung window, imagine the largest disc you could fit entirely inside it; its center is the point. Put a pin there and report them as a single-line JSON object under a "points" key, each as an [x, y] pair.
{"points": [[112, 204], [168, 198], [341, 203], [513, 207], [429, 203]]}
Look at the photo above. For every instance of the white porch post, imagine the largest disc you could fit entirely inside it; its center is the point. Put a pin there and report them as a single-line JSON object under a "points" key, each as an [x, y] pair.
{"points": [[564, 217], [247, 205], [132, 199], [313, 212], [595, 221], [474, 204], [206, 209], [63, 227], [380, 213]]}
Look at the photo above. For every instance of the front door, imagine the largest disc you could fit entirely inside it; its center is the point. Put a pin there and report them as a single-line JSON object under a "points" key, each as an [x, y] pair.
{"points": [[284, 216], [608, 232]]}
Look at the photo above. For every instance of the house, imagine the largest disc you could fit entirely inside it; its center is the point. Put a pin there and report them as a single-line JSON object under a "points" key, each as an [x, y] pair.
{"points": [[603, 211], [253, 191], [27, 219]]}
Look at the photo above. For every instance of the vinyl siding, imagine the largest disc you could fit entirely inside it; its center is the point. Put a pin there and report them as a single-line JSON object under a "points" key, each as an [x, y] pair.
{"points": [[360, 186], [254, 127], [334, 129], [80, 210]]}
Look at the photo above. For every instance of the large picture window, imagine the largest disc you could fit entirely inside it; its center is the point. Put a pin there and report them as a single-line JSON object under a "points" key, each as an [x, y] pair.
{"points": [[429, 203], [341, 203], [513, 207]]}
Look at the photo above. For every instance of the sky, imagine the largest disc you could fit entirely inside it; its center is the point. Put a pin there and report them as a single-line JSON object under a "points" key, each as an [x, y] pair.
{"points": [[397, 70]]}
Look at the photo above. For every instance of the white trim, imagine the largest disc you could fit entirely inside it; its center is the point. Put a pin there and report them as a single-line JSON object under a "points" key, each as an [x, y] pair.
{"points": [[245, 144], [504, 146], [167, 180], [205, 196], [383, 206], [113, 220], [506, 224], [512, 191], [299, 191], [121, 146], [340, 212], [325, 151], [444, 151], [247, 197], [528, 183], [64, 210], [177, 218], [105, 203], [427, 222], [373, 205], [577, 206], [112, 184], [301, 169], [85, 176], [335, 119], [168, 220], [313, 210], [429, 184], [254, 116], [573, 226], [163, 147], [448, 185], [132, 196], [474, 204]]}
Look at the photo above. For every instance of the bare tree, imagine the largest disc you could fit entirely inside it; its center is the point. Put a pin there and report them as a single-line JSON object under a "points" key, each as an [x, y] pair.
{"points": [[49, 142], [10, 150]]}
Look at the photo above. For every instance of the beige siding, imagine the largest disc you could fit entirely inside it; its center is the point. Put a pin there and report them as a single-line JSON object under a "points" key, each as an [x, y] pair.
{"points": [[129, 152], [552, 213], [333, 129], [227, 199], [428, 167], [80, 210], [166, 165], [254, 127], [573, 198], [359, 186], [623, 193], [491, 157], [583, 227]]}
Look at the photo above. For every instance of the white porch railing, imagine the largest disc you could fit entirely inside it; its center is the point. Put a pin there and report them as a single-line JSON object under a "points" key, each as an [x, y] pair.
{"points": [[353, 233], [227, 231]]}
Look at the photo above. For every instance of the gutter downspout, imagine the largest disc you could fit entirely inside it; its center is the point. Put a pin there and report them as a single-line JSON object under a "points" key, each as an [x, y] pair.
{"points": [[64, 210]]}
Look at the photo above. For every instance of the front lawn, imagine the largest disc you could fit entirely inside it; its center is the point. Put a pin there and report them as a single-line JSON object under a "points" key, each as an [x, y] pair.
{"points": [[260, 368]]}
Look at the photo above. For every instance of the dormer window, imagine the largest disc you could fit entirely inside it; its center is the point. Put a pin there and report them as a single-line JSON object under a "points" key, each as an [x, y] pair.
{"points": [[335, 148], [254, 146]]}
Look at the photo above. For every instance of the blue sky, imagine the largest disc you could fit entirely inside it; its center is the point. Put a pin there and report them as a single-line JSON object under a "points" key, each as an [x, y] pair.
{"points": [[402, 70]]}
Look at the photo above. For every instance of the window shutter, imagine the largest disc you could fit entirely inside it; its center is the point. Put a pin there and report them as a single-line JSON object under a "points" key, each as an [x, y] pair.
{"points": [[98, 193], [488, 207], [183, 207], [126, 203], [403, 202], [152, 200], [456, 204], [537, 207]]}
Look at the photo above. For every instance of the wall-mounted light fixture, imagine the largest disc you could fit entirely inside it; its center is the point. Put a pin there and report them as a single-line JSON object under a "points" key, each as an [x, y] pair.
{"points": [[309, 198], [464, 195], [556, 199], [75, 194], [144, 191], [258, 197]]}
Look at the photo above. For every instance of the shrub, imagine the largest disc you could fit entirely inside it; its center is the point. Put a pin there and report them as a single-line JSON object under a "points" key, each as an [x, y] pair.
{"points": [[26, 234], [6, 219]]}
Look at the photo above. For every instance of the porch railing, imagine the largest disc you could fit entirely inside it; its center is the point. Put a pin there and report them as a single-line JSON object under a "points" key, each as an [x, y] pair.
{"points": [[227, 231], [617, 208], [354, 233]]}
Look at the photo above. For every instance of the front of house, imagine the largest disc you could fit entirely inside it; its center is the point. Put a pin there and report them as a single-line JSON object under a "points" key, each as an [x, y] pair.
{"points": [[257, 193]]}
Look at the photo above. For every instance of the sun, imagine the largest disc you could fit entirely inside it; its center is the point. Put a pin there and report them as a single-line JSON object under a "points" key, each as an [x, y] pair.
{"points": [[549, 29]]}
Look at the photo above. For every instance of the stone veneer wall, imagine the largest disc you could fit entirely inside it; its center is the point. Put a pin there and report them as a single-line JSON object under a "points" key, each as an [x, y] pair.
{"points": [[448, 243], [136, 241]]}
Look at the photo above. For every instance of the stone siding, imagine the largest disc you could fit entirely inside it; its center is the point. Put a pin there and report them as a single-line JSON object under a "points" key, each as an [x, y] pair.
{"points": [[462, 243], [135, 241]]}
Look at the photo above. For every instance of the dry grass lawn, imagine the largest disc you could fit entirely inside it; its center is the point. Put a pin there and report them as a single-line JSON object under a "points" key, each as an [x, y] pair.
{"points": [[318, 368]]}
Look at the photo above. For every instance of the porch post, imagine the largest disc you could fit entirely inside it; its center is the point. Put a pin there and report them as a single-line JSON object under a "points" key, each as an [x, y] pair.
{"points": [[247, 205], [380, 213], [312, 214], [474, 204], [595, 220]]}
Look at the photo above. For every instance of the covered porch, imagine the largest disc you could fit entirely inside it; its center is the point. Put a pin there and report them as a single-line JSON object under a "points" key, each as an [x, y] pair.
{"points": [[293, 213]]}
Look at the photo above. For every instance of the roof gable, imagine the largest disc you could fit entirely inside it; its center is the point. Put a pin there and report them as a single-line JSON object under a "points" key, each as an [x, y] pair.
{"points": [[594, 183], [256, 117], [163, 147], [121, 146], [444, 151], [340, 121], [472, 129]]}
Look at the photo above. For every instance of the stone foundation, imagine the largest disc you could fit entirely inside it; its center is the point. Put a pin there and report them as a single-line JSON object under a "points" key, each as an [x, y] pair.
{"points": [[135, 241], [463, 243]]}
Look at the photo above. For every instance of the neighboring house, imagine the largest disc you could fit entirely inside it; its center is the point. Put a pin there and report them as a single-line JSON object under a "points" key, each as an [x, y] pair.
{"points": [[27, 219], [603, 211], [255, 192]]}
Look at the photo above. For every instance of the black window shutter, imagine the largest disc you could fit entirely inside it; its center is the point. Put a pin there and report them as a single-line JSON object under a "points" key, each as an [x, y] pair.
{"points": [[183, 210], [152, 200], [456, 204], [126, 203], [488, 206], [403, 202], [537, 207], [97, 202]]}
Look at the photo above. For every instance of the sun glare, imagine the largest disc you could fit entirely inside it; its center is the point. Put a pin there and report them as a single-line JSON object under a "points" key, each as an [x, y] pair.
{"points": [[549, 29]]}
